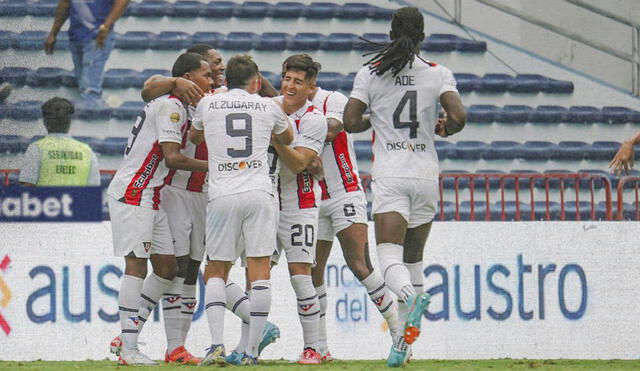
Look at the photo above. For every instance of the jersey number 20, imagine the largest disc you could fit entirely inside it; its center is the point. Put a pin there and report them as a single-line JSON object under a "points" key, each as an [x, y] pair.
{"points": [[411, 96]]}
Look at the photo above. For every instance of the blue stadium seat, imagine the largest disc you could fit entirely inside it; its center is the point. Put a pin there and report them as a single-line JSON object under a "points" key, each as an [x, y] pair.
{"points": [[27, 110], [341, 41], [13, 143], [449, 182], [528, 83], [145, 74], [629, 211], [5, 110], [470, 46], [363, 150], [329, 80], [13, 8], [42, 8], [306, 41], [112, 146], [479, 210], [120, 78], [536, 150], [379, 40], [252, 9], [92, 113], [214, 39], [382, 13], [240, 41], [6, 38], [558, 86], [495, 83], [449, 211], [169, 40], [502, 150], [273, 41], [440, 43], [46, 76], [15, 75], [494, 183], [511, 209], [188, 8], [356, 11], [128, 110], [549, 114], [92, 142], [347, 82], [322, 10], [570, 210], [514, 113], [68, 79], [602, 150], [30, 40], [555, 183], [469, 150], [467, 82], [480, 113], [150, 8], [14, 179], [444, 149], [584, 114], [620, 115], [274, 78], [571, 150], [134, 40], [219, 9], [523, 180], [288, 9], [597, 183]]}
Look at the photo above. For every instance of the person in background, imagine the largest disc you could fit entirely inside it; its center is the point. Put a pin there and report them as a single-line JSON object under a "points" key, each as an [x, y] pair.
{"points": [[91, 39], [623, 160], [58, 159]]}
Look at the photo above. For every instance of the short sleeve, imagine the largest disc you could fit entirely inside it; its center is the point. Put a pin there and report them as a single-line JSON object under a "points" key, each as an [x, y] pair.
{"points": [[30, 171], [169, 119], [196, 121], [360, 89], [335, 106], [279, 118], [94, 174], [313, 132], [448, 81]]}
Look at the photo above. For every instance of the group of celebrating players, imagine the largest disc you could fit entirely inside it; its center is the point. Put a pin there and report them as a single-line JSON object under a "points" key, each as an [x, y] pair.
{"points": [[234, 172]]}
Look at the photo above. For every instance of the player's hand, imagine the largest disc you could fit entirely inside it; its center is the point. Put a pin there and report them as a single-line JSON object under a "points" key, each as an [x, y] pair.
{"points": [[50, 44], [188, 91], [316, 169], [623, 160], [440, 128]]}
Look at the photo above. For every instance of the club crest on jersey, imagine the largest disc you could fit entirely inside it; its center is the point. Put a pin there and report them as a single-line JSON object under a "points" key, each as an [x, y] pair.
{"points": [[190, 306], [306, 307], [174, 117], [135, 320], [379, 300], [172, 299], [147, 246]]}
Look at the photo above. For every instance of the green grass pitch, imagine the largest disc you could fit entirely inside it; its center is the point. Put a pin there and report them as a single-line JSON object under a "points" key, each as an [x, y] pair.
{"points": [[502, 364]]}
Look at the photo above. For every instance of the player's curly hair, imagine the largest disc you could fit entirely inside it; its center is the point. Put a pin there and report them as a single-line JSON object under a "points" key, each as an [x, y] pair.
{"points": [[407, 32]]}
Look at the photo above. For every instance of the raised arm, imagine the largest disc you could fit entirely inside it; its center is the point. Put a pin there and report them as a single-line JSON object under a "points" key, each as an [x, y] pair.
{"points": [[158, 85]]}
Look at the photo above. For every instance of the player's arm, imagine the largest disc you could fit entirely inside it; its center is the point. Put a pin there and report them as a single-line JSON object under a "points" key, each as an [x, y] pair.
{"points": [[284, 138], [158, 85], [623, 160], [176, 160], [295, 158], [335, 104], [196, 136], [455, 113], [353, 119], [267, 89], [62, 13], [333, 128]]}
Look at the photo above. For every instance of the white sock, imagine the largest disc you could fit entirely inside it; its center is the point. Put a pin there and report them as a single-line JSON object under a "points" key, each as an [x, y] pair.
{"points": [[128, 305], [189, 304], [237, 301], [395, 274], [308, 309], [260, 304], [417, 277], [152, 289], [171, 307], [381, 297], [244, 337], [215, 299], [323, 348]]}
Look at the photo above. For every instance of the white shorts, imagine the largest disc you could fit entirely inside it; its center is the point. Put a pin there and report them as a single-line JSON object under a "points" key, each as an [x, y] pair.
{"points": [[240, 222], [276, 218], [138, 229], [186, 211], [415, 199], [297, 236], [338, 214]]}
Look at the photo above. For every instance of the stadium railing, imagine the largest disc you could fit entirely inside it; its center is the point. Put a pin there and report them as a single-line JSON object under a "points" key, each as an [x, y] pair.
{"points": [[627, 182]]}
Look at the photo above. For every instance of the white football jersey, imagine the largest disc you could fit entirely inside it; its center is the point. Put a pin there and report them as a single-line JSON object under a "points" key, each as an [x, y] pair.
{"points": [[338, 157], [302, 191], [142, 173], [404, 110], [237, 129]]}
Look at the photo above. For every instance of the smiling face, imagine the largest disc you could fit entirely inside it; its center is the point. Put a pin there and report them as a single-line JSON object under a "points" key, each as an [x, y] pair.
{"points": [[295, 89], [217, 67]]}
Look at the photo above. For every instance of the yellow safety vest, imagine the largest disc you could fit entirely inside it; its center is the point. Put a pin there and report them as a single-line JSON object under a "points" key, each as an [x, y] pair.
{"points": [[64, 161]]}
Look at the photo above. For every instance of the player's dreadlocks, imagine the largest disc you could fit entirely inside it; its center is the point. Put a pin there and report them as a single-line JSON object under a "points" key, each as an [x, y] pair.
{"points": [[407, 32]]}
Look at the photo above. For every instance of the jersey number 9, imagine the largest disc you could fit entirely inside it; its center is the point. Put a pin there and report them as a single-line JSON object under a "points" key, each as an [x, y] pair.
{"points": [[244, 132]]}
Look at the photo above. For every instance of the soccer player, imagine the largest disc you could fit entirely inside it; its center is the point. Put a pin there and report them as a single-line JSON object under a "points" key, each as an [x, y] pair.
{"points": [[343, 212], [402, 91], [300, 194], [238, 127], [139, 226]]}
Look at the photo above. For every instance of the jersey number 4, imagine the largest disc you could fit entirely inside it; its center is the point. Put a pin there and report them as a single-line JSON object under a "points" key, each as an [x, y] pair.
{"points": [[244, 132], [411, 97]]}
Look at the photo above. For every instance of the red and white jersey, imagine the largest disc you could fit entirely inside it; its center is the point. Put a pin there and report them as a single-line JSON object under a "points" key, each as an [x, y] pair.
{"points": [[338, 157], [404, 110], [237, 129], [302, 191], [142, 173]]}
